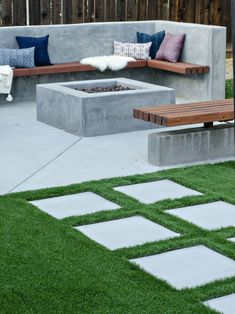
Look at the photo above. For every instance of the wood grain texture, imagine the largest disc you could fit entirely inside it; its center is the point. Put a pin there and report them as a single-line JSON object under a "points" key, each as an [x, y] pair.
{"points": [[45, 7], [19, 12], [7, 13], [56, 12], [179, 67], [35, 12], [67, 68], [193, 113]]}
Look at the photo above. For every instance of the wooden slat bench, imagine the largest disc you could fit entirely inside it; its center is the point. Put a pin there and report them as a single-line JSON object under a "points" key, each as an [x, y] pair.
{"points": [[180, 68], [67, 68], [205, 112]]}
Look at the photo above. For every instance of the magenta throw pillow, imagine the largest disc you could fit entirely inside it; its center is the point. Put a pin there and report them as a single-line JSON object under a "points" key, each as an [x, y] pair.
{"points": [[171, 48]]}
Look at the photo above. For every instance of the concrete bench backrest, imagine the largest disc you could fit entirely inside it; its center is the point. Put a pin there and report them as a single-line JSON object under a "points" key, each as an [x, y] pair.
{"points": [[69, 43], [204, 45]]}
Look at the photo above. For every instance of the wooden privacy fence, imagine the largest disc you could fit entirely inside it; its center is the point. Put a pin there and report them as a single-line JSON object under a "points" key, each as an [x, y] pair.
{"points": [[22, 12]]}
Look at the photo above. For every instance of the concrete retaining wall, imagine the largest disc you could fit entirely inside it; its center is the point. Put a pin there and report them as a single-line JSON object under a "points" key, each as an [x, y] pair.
{"points": [[204, 45]]}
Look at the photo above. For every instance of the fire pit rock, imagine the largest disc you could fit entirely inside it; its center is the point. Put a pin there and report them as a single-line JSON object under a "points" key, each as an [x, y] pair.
{"points": [[68, 106]]}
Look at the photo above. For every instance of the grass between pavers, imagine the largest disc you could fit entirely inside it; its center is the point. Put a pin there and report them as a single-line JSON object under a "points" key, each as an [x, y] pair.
{"points": [[48, 267]]}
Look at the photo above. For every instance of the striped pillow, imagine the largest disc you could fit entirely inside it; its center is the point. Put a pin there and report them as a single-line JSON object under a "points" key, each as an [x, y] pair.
{"points": [[137, 51]]}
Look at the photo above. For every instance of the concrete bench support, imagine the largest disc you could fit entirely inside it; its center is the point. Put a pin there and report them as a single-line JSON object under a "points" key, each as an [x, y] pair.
{"points": [[191, 145]]}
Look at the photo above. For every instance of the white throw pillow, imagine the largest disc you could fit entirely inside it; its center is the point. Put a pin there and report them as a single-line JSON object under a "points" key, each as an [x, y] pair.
{"points": [[137, 51]]}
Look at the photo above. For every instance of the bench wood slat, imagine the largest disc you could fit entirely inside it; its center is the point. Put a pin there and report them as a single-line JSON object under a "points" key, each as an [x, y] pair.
{"points": [[67, 68], [166, 121], [142, 113], [186, 105], [209, 117], [192, 110], [179, 67], [181, 111], [198, 112]]}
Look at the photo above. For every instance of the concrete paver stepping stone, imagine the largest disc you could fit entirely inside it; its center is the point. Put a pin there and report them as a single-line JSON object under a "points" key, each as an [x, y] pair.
{"points": [[188, 268], [126, 232], [152, 192], [225, 305], [208, 216], [74, 205]]}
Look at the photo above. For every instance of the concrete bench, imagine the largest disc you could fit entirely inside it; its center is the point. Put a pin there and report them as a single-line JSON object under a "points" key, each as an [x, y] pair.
{"points": [[190, 145], [204, 45]]}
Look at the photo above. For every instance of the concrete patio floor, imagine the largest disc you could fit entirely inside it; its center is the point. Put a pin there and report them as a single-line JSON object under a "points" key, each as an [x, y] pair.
{"points": [[35, 155]]}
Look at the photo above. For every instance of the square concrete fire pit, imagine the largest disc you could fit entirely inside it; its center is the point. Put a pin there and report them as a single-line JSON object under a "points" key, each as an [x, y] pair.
{"points": [[71, 106]]}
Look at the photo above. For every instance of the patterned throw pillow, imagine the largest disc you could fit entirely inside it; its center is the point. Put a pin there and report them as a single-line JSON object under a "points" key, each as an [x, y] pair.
{"points": [[17, 58], [137, 51]]}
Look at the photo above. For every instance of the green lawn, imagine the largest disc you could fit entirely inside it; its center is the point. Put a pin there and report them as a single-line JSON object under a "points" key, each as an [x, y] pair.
{"points": [[48, 267]]}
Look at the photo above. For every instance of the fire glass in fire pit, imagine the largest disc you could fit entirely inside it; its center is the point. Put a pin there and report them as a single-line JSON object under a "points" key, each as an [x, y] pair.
{"points": [[69, 107], [105, 89]]}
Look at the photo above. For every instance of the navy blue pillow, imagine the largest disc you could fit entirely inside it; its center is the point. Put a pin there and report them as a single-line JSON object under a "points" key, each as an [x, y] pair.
{"points": [[156, 40], [41, 48]]}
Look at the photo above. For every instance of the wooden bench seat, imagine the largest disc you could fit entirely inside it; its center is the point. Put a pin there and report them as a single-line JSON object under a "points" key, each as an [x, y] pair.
{"points": [[179, 67], [67, 68], [205, 112]]}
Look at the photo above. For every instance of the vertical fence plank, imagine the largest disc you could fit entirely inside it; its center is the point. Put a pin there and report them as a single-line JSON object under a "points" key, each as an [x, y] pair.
{"points": [[173, 10], [142, 10], [121, 10], [227, 21], [152, 10], [200, 11], [207, 10], [34, 12], [78, 11], [19, 12], [89, 11], [132, 10], [56, 12], [100, 11], [165, 9], [218, 11], [111, 10], [45, 7], [67, 12], [188, 11], [6, 12]]}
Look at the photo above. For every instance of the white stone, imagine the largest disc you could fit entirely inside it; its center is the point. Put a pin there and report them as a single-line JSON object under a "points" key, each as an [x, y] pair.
{"points": [[74, 205], [208, 216], [232, 239], [152, 192], [225, 305], [188, 268], [126, 232]]}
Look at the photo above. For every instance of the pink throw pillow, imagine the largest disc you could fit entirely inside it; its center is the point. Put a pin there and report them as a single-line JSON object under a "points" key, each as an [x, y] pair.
{"points": [[171, 48]]}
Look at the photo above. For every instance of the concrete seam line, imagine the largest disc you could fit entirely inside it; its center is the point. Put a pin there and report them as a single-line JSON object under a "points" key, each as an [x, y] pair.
{"points": [[45, 165]]}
